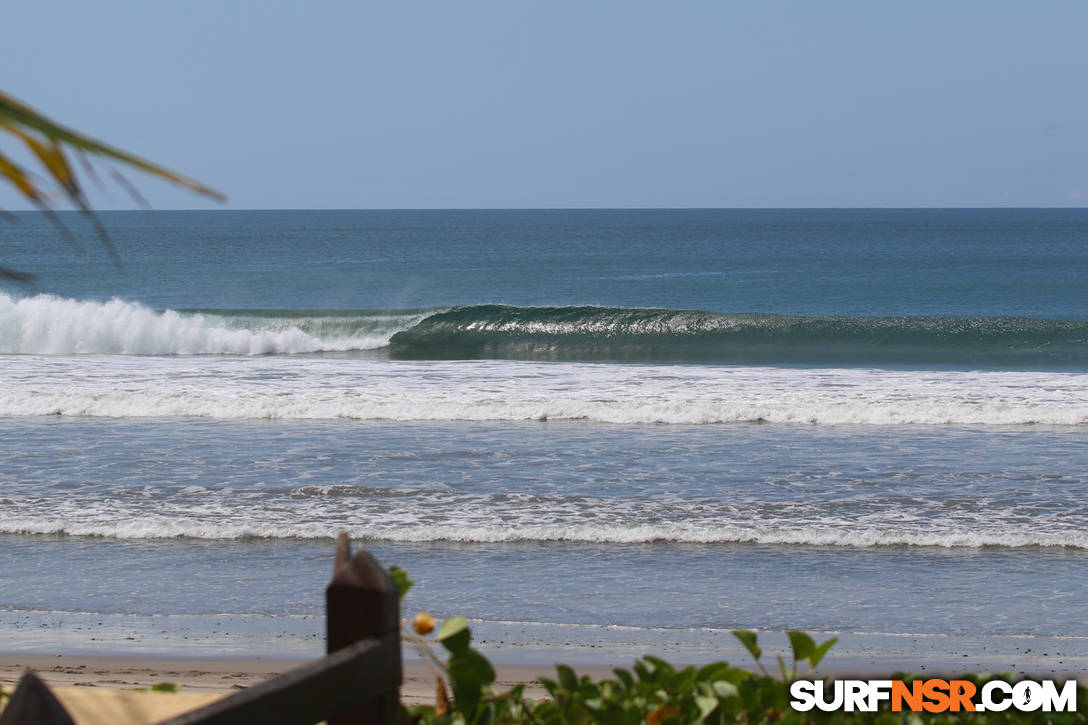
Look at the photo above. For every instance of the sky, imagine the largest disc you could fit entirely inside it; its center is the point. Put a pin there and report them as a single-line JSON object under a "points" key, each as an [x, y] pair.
{"points": [[517, 104]]}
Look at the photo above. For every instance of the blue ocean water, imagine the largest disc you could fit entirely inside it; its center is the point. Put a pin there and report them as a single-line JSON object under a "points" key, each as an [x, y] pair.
{"points": [[629, 428]]}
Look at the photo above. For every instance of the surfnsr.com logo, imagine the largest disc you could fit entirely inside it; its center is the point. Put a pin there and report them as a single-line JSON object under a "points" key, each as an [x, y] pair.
{"points": [[934, 695]]}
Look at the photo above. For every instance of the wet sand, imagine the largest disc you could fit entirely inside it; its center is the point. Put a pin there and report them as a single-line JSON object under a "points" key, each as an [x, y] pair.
{"points": [[203, 679], [223, 676]]}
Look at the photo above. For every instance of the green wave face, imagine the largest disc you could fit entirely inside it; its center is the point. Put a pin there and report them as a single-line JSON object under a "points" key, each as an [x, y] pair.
{"points": [[324, 324], [652, 335]]}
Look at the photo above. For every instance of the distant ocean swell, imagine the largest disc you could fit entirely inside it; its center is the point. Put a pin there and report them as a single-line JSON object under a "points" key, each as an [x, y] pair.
{"points": [[50, 325]]}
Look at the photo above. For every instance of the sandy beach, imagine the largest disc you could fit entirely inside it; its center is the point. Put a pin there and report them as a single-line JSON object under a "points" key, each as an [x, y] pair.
{"points": [[225, 675], [222, 676], [90, 687], [113, 689]]}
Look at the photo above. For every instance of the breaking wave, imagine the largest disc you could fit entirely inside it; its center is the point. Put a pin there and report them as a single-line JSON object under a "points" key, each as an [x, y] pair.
{"points": [[50, 325], [649, 335]]}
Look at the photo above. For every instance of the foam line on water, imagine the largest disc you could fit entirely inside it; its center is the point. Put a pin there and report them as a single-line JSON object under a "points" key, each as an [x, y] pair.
{"points": [[163, 527], [286, 388]]}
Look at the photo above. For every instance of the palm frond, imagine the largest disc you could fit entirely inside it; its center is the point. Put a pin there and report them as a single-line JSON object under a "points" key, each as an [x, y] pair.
{"points": [[46, 140], [15, 113], [25, 183], [15, 275]]}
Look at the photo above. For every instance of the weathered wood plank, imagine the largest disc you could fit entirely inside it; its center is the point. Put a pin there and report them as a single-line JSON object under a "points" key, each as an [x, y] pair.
{"points": [[362, 601], [33, 703], [105, 706], [358, 682], [308, 694]]}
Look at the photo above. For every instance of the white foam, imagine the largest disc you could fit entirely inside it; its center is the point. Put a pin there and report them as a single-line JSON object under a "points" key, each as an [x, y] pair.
{"points": [[837, 510], [165, 527], [49, 325], [287, 388]]}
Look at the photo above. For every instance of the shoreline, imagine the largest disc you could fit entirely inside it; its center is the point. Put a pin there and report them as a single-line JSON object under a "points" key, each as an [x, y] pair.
{"points": [[251, 640], [228, 674], [110, 689]]}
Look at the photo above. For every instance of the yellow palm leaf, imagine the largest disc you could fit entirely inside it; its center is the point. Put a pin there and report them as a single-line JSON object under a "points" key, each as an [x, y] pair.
{"points": [[46, 140], [17, 114]]}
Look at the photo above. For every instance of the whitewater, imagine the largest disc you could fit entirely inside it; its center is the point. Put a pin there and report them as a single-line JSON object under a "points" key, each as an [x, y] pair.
{"points": [[47, 324], [121, 359], [298, 388], [614, 421], [52, 325]]}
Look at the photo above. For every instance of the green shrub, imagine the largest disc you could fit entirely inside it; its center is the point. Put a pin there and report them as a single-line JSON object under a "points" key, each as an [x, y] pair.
{"points": [[656, 693]]}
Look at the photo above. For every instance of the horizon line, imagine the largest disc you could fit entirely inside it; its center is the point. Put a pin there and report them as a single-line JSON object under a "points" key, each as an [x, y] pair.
{"points": [[562, 208]]}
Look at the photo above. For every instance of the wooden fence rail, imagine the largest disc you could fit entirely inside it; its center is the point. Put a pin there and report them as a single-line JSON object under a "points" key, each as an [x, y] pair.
{"points": [[357, 682]]}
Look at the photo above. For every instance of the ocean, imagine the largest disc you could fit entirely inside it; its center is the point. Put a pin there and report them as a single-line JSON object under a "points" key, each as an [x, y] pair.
{"points": [[596, 433]]}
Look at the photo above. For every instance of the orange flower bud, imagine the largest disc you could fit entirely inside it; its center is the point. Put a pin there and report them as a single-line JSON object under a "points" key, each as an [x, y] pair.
{"points": [[423, 623]]}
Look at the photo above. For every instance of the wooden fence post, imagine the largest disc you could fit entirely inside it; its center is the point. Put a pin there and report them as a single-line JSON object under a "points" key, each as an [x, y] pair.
{"points": [[362, 601], [33, 702]]}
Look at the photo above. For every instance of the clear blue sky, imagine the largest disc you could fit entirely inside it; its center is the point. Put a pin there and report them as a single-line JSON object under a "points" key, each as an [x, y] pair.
{"points": [[338, 104]]}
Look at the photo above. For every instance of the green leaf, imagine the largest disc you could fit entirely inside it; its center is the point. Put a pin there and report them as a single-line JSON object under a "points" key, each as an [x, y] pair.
{"points": [[706, 706], [783, 668], [567, 679], [482, 666], [720, 671], [659, 664], [801, 644], [467, 680], [400, 578], [454, 634], [625, 677], [593, 703], [165, 687], [748, 639], [792, 717], [644, 670], [724, 689], [819, 652]]}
